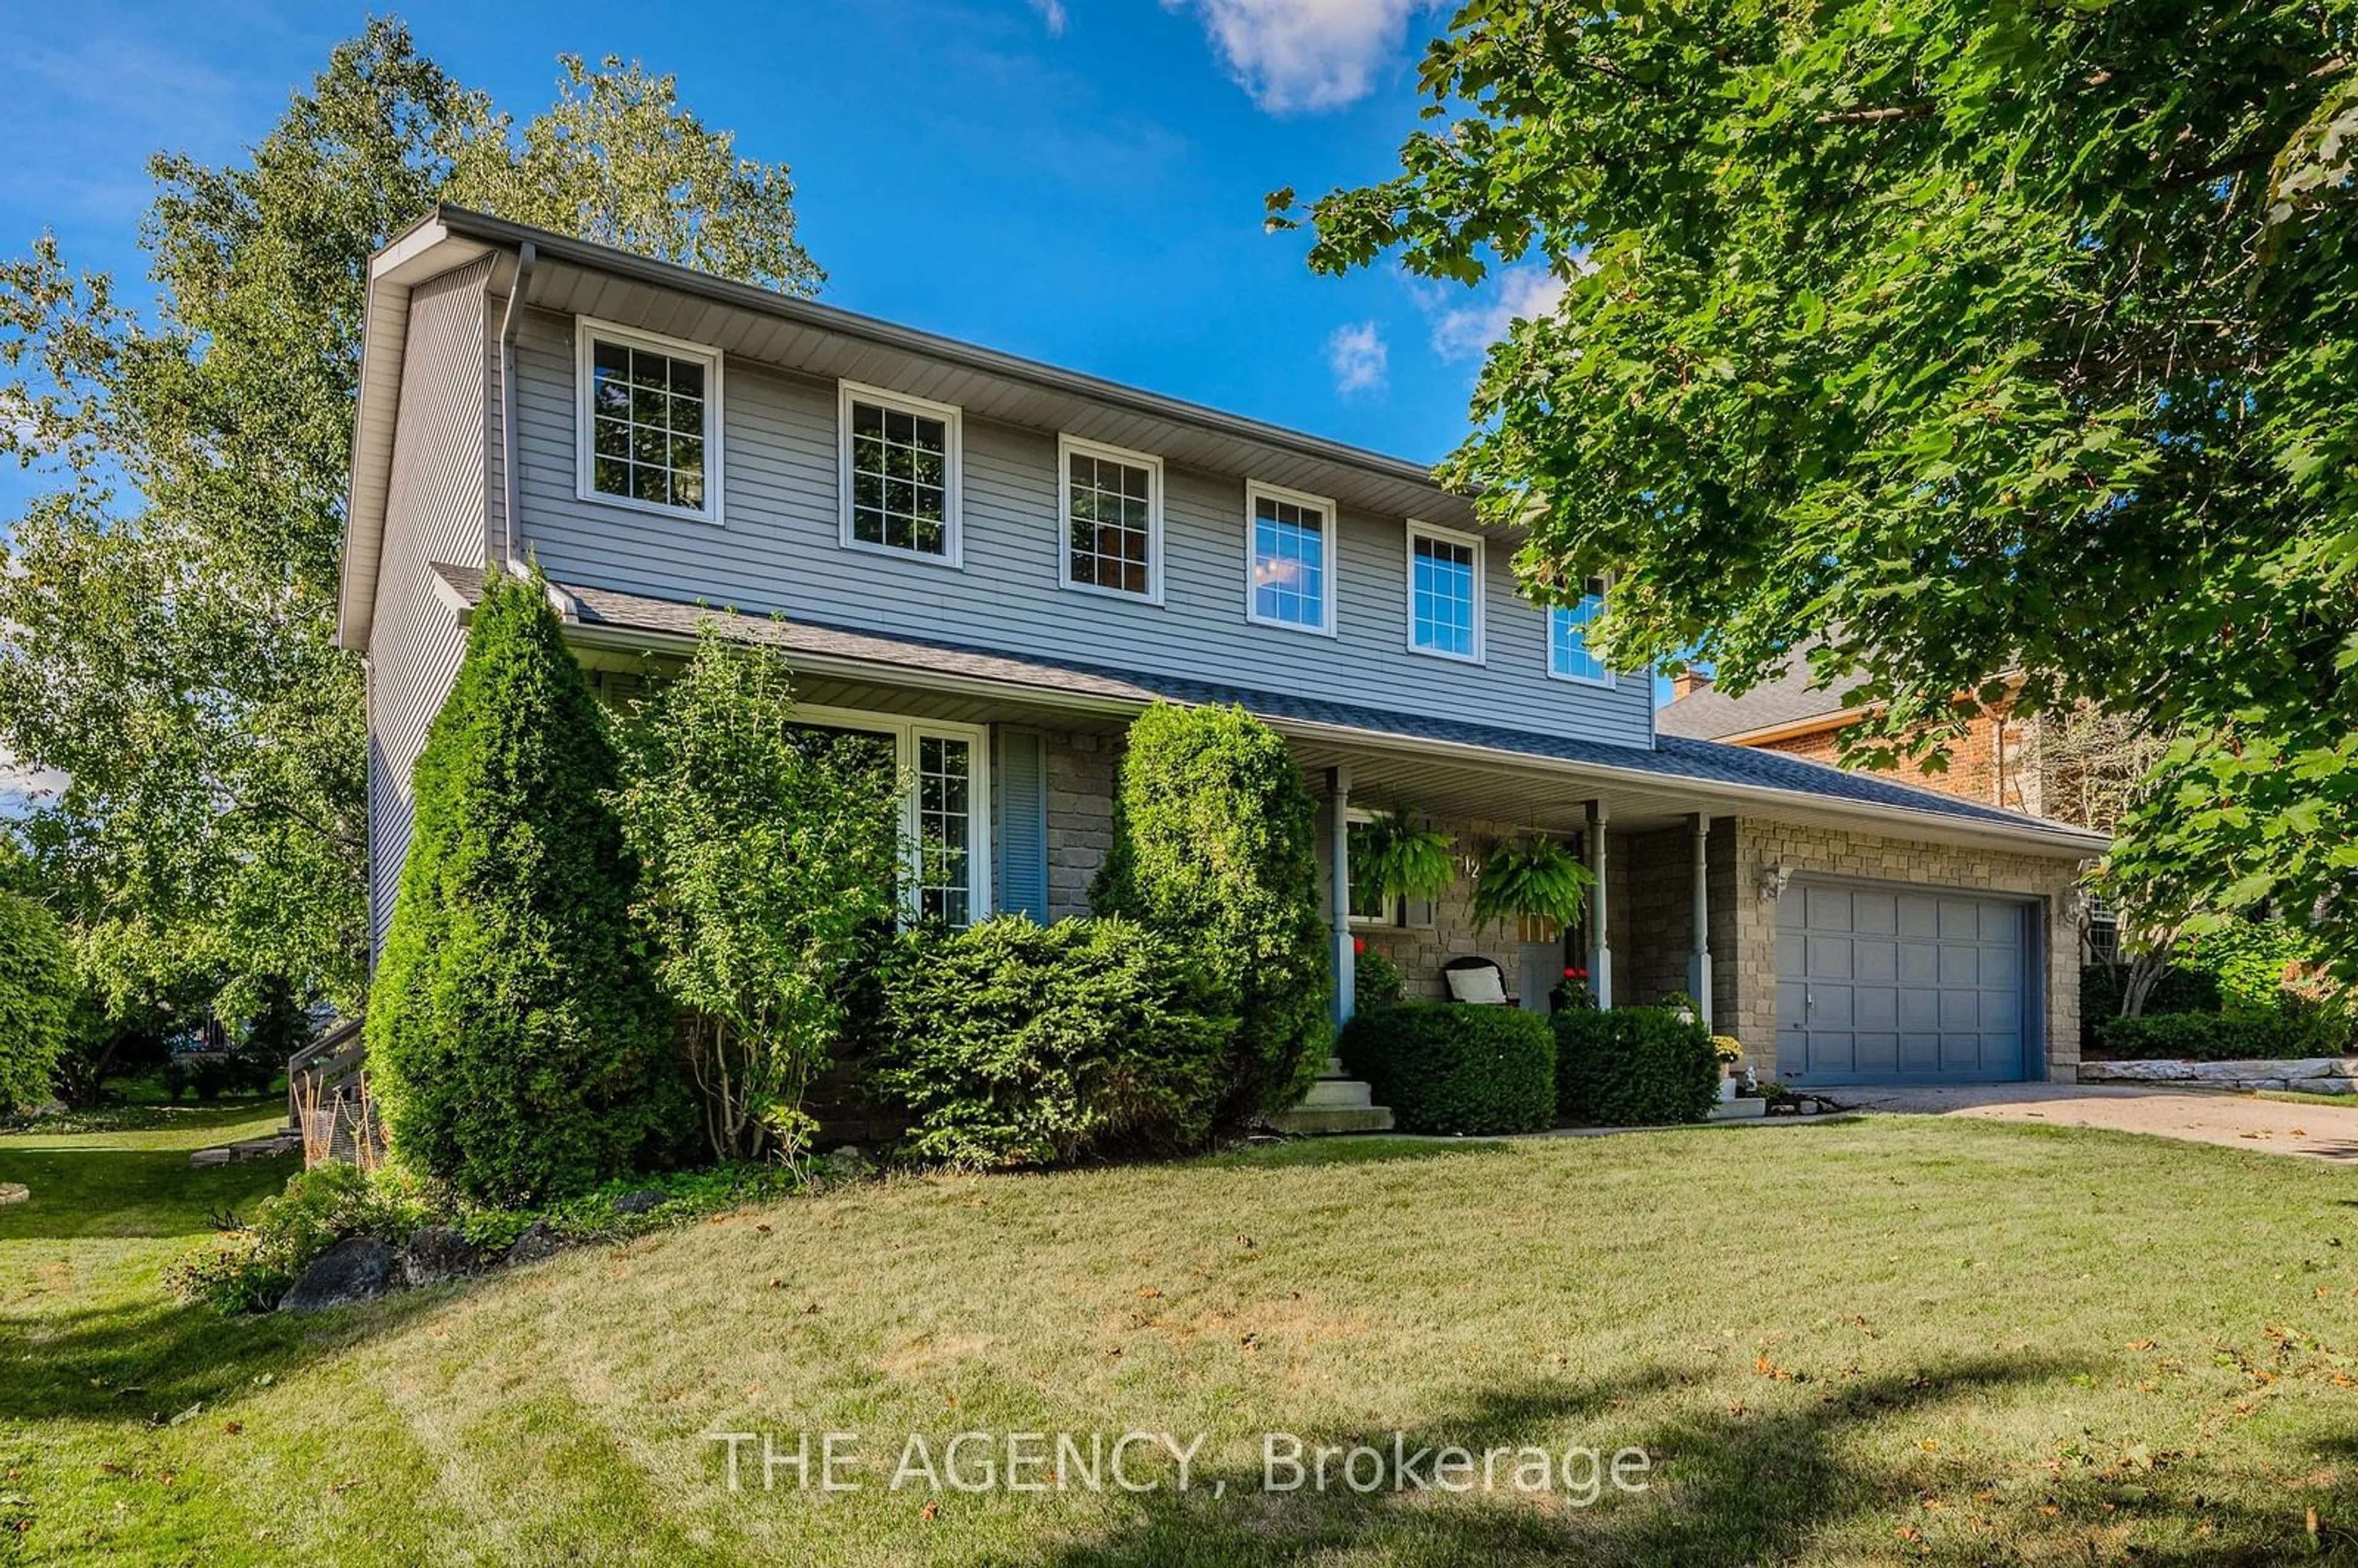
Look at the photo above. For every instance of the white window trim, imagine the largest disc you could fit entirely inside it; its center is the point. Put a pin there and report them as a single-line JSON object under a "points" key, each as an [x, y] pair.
{"points": [[1066, 446], [1395, 911], [906, 733], [1416, 530], [1546, 645], [954, 460], [1333, 556], [586, 331]]}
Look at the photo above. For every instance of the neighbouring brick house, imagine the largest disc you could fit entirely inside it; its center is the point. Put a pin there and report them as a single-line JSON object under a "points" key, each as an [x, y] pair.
{"points": [[992, 566], [1998, 760]]}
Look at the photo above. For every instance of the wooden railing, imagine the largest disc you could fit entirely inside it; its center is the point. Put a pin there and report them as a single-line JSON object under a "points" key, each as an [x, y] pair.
{"points": [[325, 1071]]}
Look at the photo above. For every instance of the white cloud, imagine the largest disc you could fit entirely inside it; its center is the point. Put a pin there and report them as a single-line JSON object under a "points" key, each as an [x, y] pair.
{"points": [[1052, 12], [1305, 54], [1466, 331], [1356, 354]]}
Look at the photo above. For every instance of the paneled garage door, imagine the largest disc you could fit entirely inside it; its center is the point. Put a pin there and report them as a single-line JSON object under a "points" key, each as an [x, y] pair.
{"points": [[1880, 985]]}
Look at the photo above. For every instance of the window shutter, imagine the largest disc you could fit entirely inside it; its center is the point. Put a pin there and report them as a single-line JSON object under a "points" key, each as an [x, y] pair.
{"points": [[1023, 822]]}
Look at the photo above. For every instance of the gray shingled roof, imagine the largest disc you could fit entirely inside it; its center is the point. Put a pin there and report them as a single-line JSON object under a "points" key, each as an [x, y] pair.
{"points": [[1674, 758], [1712, 714]]}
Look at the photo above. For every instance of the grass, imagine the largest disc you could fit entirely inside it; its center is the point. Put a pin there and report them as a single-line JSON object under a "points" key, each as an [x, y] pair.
{"points": [[1888, 1338], [2302, 1097]]}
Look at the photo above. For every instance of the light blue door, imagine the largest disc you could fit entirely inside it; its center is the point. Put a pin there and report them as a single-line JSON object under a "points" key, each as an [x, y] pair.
{"points": [[1891, 986]]}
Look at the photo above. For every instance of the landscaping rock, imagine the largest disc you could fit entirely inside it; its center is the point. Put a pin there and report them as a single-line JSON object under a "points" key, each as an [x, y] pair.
{"points": [[848, 1163], [357, 1268], [13, 1192], [640, 1202], [438, 1254], [537, 1242]]}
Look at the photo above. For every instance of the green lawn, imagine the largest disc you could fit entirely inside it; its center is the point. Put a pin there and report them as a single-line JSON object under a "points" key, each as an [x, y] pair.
{"points": [[1853, 1341]]}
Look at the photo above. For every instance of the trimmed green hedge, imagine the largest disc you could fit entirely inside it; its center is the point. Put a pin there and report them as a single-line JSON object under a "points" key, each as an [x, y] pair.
{"points": [[2177, 991], [2225, 1036], [1448, 1067], [1633, 1066], [1011, 1043], [1214, 844]]}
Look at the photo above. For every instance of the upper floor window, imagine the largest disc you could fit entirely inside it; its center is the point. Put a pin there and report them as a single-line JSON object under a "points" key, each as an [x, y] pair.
{"points": [[900, 473], [1445, 592], [1291, 539], [1113, 519], [1569, 656], [649, 424]]}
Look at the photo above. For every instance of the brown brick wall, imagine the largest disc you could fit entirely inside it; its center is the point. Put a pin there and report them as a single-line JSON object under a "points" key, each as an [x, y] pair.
{"points": [[1993, 762]]}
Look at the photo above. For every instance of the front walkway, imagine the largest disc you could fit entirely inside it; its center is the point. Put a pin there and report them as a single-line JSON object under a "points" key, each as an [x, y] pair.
{"points": [[2238, 1121]]}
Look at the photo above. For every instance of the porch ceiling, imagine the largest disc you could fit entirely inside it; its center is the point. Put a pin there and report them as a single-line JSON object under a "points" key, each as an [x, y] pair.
{"points": [[1491, 792]]}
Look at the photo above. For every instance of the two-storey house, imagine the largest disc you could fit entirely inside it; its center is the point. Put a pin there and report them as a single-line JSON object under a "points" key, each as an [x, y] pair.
{"points": [[989, 565]]}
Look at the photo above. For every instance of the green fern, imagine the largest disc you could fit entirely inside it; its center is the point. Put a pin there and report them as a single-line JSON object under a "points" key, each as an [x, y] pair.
{"points": [[1392, 856], [1537, 877]]}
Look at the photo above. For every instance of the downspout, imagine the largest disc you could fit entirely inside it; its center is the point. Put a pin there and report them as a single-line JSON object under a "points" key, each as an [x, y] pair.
{"points": [[511, 490]]}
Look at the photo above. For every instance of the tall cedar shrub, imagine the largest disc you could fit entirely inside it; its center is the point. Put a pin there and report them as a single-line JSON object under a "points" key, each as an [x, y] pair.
{"points": [[518, 1044], [1012, 1043], [1634, 1066], [1447, 1067], [37, 993], [1215, 843]]}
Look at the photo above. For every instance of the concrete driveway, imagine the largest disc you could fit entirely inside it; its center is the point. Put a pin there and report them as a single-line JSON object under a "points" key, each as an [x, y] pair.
{"points": [[2238, 1121]]}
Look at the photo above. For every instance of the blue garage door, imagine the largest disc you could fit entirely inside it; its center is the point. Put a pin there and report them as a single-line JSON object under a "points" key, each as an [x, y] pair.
{"points": [[1885, 986]]}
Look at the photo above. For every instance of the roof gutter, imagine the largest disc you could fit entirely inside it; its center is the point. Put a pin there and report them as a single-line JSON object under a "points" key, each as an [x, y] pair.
{"points": [[510, 486]]}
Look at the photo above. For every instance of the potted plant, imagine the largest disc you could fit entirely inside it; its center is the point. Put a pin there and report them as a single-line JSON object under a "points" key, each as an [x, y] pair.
{"points": [[1734, 1074], [1538, 878], [1397, 859]]}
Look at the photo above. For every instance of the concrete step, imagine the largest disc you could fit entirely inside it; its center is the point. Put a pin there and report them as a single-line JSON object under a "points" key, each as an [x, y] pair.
{"points": [[1310, 1121], [1338, 1094]]}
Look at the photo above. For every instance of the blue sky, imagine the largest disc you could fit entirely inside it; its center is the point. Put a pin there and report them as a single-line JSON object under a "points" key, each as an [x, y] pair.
{"points": [[1076, 180], [1080, 181]]}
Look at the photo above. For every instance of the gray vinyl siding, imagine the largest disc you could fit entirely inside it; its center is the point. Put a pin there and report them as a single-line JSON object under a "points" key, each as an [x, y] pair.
{"points": [[435, 511], [776, 549]]}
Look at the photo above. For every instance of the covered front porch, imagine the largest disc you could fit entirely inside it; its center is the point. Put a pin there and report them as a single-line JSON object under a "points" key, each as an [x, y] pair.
{"points": [[1842, 927]]}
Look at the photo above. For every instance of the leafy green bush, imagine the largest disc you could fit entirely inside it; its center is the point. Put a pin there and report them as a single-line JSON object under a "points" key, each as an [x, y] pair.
{"points": [[1450, 1068], [518, 1044], [1375, 979], [37, 993], [1214, 844], [1011, 1043], [765, 863], [249, 1270], [2280, 1035], [1634, 1066], [2179, 990], [2253, 965]]}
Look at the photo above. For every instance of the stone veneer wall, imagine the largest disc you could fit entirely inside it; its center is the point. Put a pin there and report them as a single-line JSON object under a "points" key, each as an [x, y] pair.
{"points": [[1760, 843], [1080, 815]]}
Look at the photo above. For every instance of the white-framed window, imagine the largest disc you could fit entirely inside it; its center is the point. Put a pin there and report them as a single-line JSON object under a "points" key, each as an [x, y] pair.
{"points": [[1113, 519], [1369, 907], [648, 425], [1569, 655], [945, 812], [1445, 592], [900, 473], [1290, 559]]}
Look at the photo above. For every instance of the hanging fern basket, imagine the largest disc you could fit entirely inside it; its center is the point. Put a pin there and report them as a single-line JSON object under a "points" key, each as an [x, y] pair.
{"points": [[1537, 878]]}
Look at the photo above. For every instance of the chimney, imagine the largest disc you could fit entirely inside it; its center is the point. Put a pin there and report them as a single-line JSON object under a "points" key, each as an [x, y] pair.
{"points": [[1686, 683]]}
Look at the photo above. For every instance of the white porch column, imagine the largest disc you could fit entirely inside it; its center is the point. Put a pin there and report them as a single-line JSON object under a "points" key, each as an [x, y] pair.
{"points": [[1600, 946], [1338, 791], [1699, 965]]}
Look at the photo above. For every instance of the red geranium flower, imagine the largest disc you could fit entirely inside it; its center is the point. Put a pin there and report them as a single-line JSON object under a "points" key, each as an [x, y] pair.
{"points": [[1358, 945]]}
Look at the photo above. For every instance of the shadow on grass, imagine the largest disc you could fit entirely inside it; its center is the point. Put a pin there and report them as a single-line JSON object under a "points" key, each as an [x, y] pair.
{"points": [[1348, 1149], [1727, 1486], [91, 1192]]}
